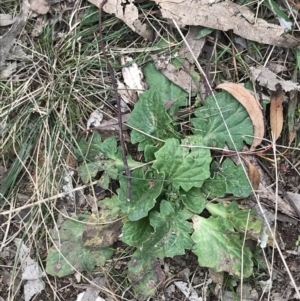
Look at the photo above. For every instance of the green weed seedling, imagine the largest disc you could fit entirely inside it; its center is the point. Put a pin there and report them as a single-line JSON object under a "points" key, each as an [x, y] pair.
{"points": [[175, 183]]}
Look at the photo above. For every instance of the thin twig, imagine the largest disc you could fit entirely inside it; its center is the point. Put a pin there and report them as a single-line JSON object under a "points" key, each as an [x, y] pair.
{"points": [[117, 96]]}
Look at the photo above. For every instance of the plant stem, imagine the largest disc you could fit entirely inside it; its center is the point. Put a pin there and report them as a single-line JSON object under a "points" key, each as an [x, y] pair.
{"points": [[117, 96]]}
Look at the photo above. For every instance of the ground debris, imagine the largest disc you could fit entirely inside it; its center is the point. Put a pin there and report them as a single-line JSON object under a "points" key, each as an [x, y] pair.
{"points": [[31, 272], [269, 79], [128, 13], [226, 15], [8, 39], [222, 15]]}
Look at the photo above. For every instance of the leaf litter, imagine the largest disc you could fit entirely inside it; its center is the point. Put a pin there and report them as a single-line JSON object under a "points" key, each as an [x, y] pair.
{"points": [[268, 79], [92, 291], [8, 39], [219, 15], [128, 13], [6, 19], [31, 271], [40, 6]]}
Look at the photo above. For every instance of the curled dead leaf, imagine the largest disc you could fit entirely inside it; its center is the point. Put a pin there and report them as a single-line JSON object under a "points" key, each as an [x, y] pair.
{"points": [[127, 12], [195, 45], [253, 174], [249, 102], [276, 111], [269, 79], [226, 15], [6, 19], [181, 78], [39, 6]]}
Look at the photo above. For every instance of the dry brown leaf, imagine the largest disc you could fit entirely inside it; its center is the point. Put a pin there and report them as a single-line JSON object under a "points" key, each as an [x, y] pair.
{"points": [[276, 68], [253, 174], [276, 112], [92, 290], [39, 25], [195, 45], [222, 15], [133, 75], [269, 79], [39, 6], [133, 81], [128, 13], [249, 102], [6, 19], [226, 15], [7, 70], [216, 277], [112, 124], [110, 128], [266, 187], [127, 95], [179, 77]]}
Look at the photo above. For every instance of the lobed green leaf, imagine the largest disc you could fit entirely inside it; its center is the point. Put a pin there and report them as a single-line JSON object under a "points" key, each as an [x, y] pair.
{"points": [[150, 120], [171, 235], [145, 188], [182, 166]]}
